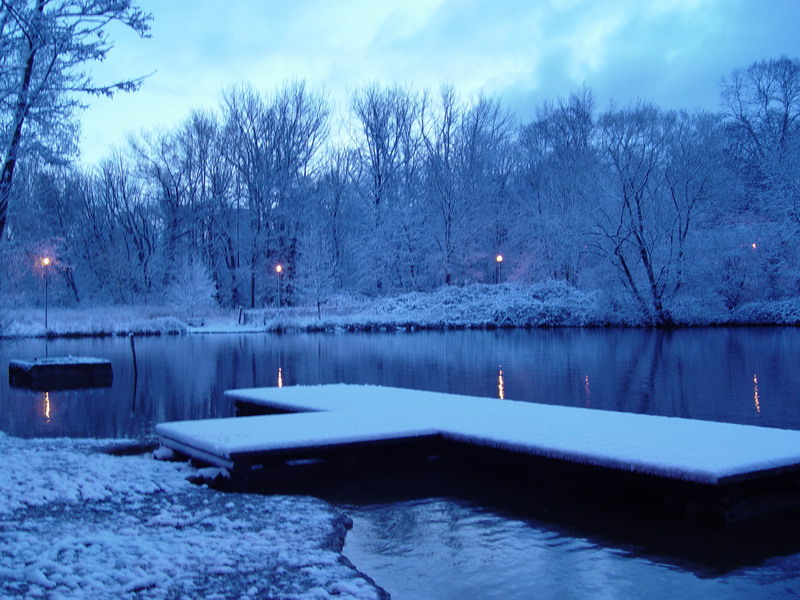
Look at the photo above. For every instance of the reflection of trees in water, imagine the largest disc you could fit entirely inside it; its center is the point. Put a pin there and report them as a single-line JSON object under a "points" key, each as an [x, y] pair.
{"points": [[701, 373], [705, 374]]}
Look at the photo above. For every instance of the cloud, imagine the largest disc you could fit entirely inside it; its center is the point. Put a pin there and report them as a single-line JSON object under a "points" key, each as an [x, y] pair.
{"points": [[671, 51]]}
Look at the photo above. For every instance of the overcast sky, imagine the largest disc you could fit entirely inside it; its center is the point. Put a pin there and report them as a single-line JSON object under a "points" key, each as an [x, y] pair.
{"points": [[673, 52]]}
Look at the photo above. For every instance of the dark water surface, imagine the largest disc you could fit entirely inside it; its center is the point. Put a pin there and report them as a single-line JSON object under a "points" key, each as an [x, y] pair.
{"points": [[432, 537]]}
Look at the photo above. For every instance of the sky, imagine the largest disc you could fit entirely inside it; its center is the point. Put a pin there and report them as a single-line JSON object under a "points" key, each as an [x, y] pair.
{"points": [[671, 52]]}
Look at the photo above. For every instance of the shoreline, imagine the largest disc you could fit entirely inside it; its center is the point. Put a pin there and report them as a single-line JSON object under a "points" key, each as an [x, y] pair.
{"points": [[381, 327], [130, 524], [478, 306], [121, 321]]}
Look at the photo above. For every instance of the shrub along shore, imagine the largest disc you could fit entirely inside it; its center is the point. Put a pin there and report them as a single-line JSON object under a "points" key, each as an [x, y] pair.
{"points": [[478, 306]]}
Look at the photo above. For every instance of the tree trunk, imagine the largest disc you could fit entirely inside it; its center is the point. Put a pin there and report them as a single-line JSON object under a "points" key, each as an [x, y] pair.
{"points": [[20, 113]]}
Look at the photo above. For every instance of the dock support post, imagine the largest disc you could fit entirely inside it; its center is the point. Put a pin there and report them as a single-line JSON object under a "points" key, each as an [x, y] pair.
{"points": [[135, 373], [240, 476]]}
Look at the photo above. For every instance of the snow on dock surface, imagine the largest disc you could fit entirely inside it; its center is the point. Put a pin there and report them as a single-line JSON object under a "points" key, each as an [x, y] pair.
{"points": [[57, 361], [683, 449]]}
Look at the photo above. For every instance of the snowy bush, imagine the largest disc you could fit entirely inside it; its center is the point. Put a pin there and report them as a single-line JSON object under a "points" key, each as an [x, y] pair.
{"points": [[778, 312], [97, 321], [482, 305]]}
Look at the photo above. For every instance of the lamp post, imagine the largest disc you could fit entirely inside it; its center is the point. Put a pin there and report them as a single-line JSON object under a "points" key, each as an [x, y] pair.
{"points": [[279, 271], [45, 261], [498, 260]]}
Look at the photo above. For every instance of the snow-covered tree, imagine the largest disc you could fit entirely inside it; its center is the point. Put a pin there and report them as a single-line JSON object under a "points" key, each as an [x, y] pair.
{"points": [[271, 144], [192, 288], [315, 277], [556, 187], [763, 112], [630, 217], [387, 142], [46, 47]]}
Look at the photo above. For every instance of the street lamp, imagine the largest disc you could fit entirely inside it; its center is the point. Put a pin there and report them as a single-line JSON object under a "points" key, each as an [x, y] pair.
{"points": [[279, 271], [498, 263], [45, 261]]}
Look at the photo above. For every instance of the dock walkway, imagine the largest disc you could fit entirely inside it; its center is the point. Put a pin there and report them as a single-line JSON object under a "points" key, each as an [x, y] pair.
{"points": [[337, 417]]}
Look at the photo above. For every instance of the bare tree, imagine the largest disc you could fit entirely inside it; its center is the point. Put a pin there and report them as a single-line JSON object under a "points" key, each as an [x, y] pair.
{"points": [[628, 220], [556, 182], [46, 45], [451, 208], [763, 104], [694, 176], [388, 145], [271, 144], [486, 159], [165, 175], [763, 116], [337, 203]]}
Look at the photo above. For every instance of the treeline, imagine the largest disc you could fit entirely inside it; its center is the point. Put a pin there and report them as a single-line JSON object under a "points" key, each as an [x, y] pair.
{"points": [[411, 190]]}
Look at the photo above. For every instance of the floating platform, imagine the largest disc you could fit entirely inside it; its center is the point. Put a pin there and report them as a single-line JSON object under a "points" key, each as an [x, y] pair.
{"points": [[725, 470], [60, 373]]}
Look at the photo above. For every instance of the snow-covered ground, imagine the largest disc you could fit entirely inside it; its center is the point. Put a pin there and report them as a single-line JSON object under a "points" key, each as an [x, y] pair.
{"points": [[552, 304], [79, 523]]}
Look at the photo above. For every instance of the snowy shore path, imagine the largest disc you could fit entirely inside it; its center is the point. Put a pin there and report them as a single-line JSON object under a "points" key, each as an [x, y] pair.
{"points": [[78, 523]]}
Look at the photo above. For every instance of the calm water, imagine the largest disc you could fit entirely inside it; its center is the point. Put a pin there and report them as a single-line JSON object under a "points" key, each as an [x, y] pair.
{"points": [[430, 537]]}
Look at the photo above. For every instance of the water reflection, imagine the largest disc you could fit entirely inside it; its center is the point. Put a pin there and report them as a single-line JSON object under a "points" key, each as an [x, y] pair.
{"points": [[434, 534], [501, 386], [587, 391], [490, 541], [702, 374], [441, 547], [755, 394]]}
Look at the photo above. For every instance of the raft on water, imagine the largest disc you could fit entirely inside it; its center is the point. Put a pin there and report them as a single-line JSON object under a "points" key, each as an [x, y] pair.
{"points": [[60, 373], [722, 471]]}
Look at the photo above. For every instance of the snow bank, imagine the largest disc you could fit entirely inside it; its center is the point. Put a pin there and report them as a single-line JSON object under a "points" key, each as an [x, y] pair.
{"points": [[79, 523], [778, 312], [549, 304], [111, 320]]}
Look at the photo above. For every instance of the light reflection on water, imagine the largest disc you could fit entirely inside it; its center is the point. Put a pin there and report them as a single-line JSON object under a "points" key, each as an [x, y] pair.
{"points": [[46, 404], [728, 374], [501, 385], [756, 400]]}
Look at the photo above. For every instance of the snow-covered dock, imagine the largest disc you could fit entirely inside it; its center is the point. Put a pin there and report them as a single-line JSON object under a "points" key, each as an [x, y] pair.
{"points": [[692, 458], [61, 372]]}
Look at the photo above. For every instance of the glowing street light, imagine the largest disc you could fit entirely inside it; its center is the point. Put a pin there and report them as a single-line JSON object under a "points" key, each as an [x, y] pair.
{"points": [[279, 271], [498, 263], [45, 262]]}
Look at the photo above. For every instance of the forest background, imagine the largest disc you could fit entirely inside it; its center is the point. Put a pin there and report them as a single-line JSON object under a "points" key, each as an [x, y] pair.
{"points": [[276, 199]]}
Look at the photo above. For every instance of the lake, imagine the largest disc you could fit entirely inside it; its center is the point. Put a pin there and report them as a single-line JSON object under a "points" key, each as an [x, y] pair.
{"points": [[433, 536]]}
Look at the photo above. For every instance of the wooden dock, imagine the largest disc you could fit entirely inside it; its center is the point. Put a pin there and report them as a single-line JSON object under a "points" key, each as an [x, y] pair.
{"points": [[60, 373], [732, 471]]}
